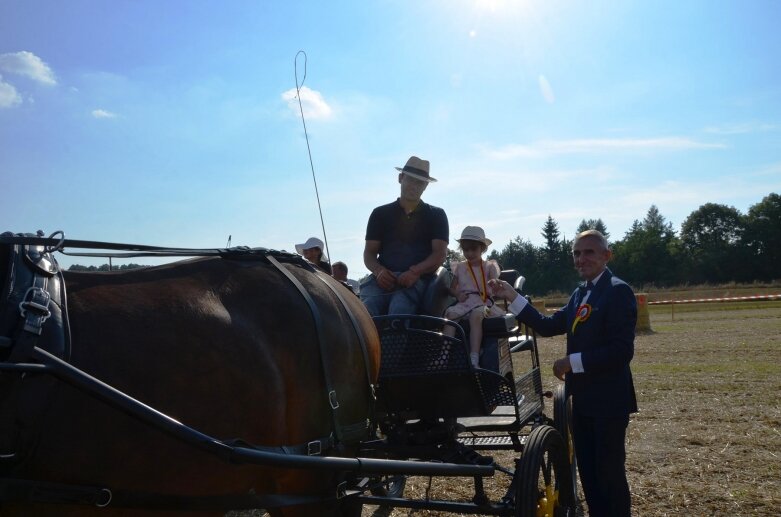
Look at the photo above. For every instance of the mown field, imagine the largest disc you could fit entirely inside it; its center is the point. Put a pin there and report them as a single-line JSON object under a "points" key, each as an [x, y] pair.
{"points": [[707, 439]]}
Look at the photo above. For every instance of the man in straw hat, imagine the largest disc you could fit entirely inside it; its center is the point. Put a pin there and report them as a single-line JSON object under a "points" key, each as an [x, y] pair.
{"points": [[406, 241]]}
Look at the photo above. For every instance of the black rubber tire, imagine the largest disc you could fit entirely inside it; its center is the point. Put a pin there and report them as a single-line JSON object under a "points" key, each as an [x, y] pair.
{"points": [[543, 465], [562, 422]]}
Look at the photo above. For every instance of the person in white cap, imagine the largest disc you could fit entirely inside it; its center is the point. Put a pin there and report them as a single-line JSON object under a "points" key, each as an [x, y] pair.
{"points": [[470, 287], [312, 250], [406, 241]]}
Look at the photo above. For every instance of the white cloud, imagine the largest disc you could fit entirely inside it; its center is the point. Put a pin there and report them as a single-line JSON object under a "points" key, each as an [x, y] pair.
{"points": [[8, 95], [740, 128], [546, 90], [596, 145], [29, 65], [312, 101], [103, 114]]}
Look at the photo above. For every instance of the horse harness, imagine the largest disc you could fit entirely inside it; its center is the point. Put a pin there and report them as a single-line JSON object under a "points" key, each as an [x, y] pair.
{"points": [[33, 313]]}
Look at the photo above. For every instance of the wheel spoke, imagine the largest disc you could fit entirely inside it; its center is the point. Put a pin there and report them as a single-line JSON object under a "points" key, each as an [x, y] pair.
{"points": [[547, 466]]}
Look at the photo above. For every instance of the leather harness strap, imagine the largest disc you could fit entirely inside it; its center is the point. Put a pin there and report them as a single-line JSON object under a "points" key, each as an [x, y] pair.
{"points": [[36, 292], [362, 341], [333, 402]]}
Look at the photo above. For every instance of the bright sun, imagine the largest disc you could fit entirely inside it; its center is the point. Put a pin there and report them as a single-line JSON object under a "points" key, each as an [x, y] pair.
{"points": [[490, 5]]}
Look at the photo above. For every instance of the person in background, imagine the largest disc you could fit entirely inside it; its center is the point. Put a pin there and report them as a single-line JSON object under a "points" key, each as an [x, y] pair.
{"points": [[406, 242], [470, 288], [599, 321], [340, 273], [312, 250]]}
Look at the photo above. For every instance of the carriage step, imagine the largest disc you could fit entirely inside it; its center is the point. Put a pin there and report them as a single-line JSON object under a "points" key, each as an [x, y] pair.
{"points": [[495, 442]]}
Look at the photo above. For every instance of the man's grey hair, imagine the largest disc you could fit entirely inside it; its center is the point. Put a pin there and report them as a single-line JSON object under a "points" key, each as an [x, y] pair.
{"points": [[594, 234], [339, 264]]}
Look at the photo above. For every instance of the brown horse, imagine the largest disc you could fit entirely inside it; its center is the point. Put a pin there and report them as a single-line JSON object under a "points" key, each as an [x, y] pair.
{"points": [[228, 347]]}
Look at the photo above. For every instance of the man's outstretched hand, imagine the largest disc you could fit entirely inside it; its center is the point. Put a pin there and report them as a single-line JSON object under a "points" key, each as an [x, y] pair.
{"points": [[501, 289]]}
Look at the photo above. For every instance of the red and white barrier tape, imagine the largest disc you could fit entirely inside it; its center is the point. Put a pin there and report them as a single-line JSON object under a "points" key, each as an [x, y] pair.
{"points": [[727, 299]]}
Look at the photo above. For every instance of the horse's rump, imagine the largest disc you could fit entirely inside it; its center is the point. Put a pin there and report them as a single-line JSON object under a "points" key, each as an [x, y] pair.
{"points": [[228, 347]]}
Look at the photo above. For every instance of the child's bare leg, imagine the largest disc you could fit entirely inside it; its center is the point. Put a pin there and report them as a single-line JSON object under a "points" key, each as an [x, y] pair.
{"points": [[449, 330], [475, 334]]}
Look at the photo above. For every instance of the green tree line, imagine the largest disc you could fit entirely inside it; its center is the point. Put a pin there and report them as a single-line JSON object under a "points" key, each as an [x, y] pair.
{"points": [[104, 267], [716, 244]]}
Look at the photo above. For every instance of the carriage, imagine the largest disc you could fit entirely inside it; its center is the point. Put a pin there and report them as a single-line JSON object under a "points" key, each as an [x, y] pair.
{"points": [[388, 398]]}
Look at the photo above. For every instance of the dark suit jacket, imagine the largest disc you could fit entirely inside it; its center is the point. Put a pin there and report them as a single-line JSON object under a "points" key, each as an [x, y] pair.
{"points": [[605, 341]]}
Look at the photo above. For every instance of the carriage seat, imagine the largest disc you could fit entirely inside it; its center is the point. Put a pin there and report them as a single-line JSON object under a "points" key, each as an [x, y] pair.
{"points": [[425, 374], [437, 296], [506, 325]]}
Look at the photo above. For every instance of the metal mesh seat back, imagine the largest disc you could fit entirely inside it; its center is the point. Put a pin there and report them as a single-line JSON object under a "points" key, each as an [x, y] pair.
{"points": [[528, 389], [425, 374], [495, 389], [407, 352]]}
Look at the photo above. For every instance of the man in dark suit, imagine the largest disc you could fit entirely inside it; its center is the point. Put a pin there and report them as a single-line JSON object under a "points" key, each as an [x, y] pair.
{"points": [[599, 321]]}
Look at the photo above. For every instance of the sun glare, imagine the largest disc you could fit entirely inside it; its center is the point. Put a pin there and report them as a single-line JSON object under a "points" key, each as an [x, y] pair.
{"points": [[505, 8], [490, 5]]}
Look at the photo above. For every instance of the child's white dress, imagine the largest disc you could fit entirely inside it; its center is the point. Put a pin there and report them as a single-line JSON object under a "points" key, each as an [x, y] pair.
{"points": [[473, 284]]}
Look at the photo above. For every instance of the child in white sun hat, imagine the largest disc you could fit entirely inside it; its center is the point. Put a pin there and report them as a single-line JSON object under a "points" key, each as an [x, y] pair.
{"points": [[470, 287]]}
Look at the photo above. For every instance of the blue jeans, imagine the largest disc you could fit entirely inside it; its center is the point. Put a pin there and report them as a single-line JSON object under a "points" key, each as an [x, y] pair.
{"points": [[404, 300]]}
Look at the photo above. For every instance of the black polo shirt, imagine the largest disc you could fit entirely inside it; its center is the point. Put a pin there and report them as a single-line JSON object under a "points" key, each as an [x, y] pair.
{"points": [[405, 239]]}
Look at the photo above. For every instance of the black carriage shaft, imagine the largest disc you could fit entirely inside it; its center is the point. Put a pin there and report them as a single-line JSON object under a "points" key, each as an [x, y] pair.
{"points": [[97, 388]]}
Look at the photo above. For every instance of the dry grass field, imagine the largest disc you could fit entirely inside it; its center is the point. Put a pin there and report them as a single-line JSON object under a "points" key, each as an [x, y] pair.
{"points": [[707, 439]]}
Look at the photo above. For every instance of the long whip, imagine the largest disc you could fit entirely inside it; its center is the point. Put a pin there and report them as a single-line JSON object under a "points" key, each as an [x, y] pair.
{"points": [[308, 149]]}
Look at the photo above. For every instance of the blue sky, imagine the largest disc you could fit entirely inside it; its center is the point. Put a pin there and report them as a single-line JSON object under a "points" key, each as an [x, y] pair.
{"points": [[171, 123]]}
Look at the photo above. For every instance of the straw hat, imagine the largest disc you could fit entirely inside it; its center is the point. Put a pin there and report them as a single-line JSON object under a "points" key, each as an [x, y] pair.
{"points": [[417, 168], [474, 233]]}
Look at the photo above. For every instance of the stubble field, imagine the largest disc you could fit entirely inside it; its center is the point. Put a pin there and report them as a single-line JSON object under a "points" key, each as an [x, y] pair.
{"points": [[707, 439]]}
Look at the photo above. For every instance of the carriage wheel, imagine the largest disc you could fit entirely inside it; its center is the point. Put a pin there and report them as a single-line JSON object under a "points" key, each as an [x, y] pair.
{"points": [[392, 486], [387, 486], [562, 422], [544, 485]]}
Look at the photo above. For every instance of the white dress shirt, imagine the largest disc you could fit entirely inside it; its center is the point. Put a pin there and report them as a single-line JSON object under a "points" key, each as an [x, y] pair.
{"points": [[575, 360]]}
